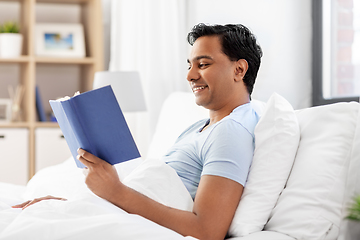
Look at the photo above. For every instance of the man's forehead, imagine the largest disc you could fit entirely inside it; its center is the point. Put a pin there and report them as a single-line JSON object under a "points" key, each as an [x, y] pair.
{"points": [[205, 47], [197, 58]]}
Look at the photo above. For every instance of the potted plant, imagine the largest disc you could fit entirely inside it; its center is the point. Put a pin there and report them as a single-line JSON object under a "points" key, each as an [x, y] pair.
{"points": [[353, 227], [10, 40], [354, 210]]}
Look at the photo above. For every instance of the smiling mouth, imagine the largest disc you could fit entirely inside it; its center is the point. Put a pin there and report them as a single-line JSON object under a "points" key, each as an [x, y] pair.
{"points": [[196, 89]]}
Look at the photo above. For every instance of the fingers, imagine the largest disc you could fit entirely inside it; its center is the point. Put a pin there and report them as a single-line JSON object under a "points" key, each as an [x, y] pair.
{"points": [[83, 161], [87, 158], [21, 205], [36, 200], [32, 202]]}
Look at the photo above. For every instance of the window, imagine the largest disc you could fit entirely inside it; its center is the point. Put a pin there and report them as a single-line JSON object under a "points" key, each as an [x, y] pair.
{"points": [[336, 51]]}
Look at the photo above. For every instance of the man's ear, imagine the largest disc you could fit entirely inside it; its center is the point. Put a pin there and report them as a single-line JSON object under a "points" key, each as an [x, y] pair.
{"points": [[241, 69]]}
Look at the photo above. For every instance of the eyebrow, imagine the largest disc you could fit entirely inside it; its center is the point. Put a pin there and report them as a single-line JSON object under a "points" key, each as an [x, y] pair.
{"points": [[200, 57]]}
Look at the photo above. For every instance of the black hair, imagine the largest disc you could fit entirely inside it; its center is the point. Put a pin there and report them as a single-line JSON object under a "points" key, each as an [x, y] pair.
{"points": [[237, 42]]}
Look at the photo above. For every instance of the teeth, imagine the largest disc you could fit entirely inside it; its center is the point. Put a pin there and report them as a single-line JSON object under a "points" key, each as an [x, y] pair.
{"points": [[198, 88]]}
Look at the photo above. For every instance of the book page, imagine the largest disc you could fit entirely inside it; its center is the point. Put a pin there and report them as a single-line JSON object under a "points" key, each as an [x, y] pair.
{"points": [[67, 97]]}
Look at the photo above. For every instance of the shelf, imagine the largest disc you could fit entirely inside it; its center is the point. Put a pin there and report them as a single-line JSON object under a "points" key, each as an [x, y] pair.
{"points": [[33, 70], [63, 1], [47, 124], [51, 1], [14, 125], [57, 60], [27, 125], [21, 59], [11, 0]]}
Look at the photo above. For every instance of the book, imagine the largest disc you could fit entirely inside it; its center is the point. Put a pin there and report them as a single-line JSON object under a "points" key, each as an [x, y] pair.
{"points": [[94, 122], [39, 105]]}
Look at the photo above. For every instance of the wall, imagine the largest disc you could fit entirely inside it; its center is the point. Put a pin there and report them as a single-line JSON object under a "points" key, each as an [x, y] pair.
{"points": [[283, 29]]}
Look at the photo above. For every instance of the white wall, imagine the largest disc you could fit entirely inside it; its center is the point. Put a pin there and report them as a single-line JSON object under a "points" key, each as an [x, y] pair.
{"points": [[283, 29]]}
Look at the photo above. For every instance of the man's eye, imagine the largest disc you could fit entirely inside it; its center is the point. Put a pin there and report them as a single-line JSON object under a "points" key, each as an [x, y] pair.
{"points": [[202, 65]]}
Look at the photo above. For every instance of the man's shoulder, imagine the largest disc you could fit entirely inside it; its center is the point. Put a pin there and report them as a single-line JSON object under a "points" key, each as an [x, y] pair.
{"points": [[246, 119], [194, 127]]}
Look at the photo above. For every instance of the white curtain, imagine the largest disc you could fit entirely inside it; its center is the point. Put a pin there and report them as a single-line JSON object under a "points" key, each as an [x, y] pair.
{"points": [[150, 37]]}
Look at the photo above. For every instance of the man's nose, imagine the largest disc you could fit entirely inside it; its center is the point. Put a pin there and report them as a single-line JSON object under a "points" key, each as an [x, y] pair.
{"points": [[192, 74]]}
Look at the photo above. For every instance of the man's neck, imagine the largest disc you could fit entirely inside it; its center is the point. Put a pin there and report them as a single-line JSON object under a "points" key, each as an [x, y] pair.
{"points": [[217, 115]]}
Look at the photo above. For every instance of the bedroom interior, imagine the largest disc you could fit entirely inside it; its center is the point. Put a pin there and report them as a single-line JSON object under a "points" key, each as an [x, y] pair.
{"points": [[308, 199]]}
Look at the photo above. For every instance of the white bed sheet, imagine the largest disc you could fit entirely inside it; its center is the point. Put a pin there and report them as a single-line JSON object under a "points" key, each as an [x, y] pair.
{"points": [[83, 215]]}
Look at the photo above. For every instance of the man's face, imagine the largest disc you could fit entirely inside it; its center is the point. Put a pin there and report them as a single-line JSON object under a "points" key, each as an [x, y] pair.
{"points": [[211, 73]]}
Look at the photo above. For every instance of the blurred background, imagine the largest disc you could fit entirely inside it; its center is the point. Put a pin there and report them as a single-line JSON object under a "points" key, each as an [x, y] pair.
{"points": [[150, 37]]}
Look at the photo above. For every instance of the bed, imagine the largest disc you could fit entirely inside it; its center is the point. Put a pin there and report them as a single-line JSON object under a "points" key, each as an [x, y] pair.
{"points": [[305, 166]]}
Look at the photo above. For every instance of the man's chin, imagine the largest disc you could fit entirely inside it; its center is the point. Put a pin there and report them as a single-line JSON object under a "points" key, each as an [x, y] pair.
{"points": [[200, 102]]}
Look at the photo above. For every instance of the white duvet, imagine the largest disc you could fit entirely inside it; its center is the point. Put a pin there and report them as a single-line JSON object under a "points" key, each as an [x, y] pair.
{"points": [[84, 215]]}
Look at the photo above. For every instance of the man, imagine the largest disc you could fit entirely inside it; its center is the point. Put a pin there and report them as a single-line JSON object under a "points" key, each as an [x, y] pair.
{"points": [[213, 156]]}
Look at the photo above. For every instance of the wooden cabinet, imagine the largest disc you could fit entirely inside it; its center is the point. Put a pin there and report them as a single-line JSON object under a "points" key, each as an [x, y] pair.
{"points": [[29, 67], [50, 148], [14, 155]]}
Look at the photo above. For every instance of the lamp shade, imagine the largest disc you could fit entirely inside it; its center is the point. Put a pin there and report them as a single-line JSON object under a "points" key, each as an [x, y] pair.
{"points": [[127, 89]]}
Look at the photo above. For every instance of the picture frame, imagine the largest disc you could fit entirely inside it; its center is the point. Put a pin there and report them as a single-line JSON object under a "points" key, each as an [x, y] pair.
{"points": [[59, 40], [5, 110]]}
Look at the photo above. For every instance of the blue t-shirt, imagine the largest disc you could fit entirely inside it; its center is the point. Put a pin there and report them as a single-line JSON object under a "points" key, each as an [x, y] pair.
{"points": [[223, 149]]}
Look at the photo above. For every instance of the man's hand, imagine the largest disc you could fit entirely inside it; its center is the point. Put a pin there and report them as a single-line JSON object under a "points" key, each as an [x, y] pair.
{"points": [[214, 206], [36, 200], [101, 177]]}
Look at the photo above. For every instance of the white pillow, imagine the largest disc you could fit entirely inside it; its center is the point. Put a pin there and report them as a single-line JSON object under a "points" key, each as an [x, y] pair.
{"points": [[311, 205], [62, 180], [258, 106], [276, 142], [160, 182], [180, 110], [347, 227]]}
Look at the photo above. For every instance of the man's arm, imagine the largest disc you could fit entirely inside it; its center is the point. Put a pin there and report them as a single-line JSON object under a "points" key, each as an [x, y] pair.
{"points": [[214, 207]]}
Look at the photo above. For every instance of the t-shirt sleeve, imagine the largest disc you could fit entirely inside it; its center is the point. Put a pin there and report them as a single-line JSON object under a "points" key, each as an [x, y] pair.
{"points": [[228, 152]]}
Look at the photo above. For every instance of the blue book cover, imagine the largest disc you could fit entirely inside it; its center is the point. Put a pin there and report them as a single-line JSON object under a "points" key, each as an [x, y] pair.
{"points": [[94, 122], [39, 105]]}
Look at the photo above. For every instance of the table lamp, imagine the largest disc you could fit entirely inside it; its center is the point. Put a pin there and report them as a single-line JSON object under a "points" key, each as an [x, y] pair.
{"points": [[127, 89]]}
